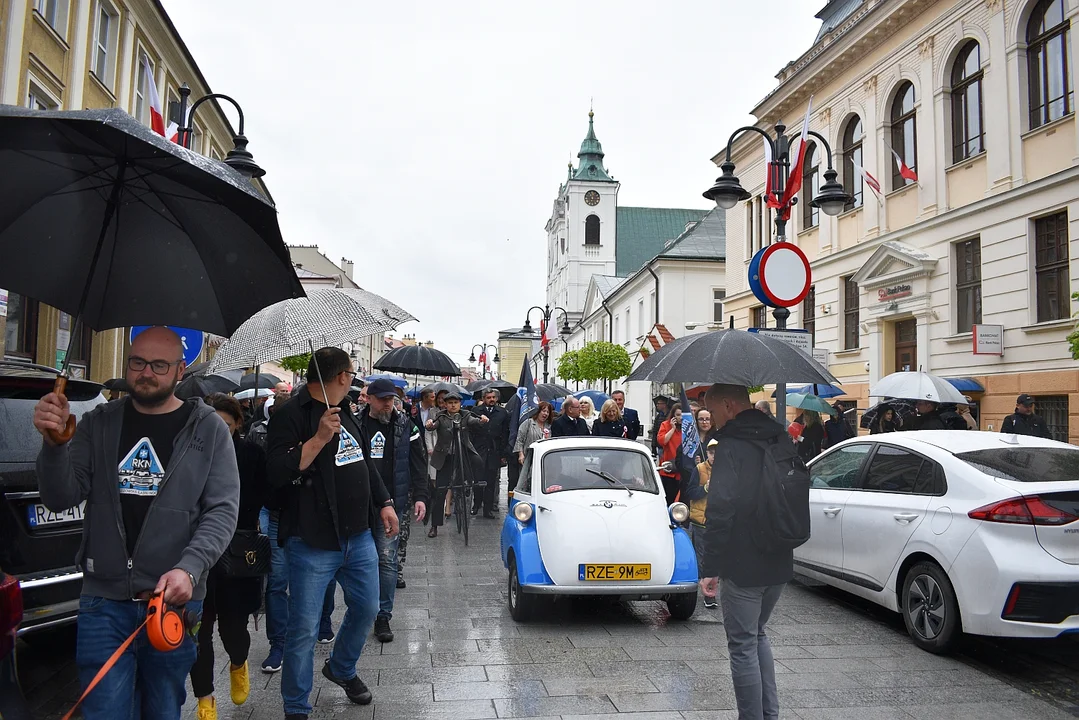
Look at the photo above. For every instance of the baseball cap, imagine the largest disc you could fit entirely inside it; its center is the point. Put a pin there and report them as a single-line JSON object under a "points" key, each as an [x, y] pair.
{"points": [[712, 443], [381, 388], [1024, 399]]}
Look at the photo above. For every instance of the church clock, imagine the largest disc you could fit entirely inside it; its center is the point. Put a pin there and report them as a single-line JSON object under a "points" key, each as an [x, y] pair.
{"points": [[592, 198]]}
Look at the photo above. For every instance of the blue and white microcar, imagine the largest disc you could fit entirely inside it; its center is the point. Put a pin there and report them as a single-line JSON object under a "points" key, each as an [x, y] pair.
{"points": [[588, 517]]}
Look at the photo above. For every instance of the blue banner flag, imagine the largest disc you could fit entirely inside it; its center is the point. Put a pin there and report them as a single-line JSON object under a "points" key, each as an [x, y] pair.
{"points": [[691, 441], [524, 403]]}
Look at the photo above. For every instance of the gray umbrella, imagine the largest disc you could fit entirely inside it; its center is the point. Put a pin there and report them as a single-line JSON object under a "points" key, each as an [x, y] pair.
{"points": [[734, 357], [448, 387]]}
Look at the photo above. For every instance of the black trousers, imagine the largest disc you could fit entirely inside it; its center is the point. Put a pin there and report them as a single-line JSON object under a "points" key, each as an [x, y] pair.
{"points": [[513, 472], [491, 474], [670, 487], [443, 478], [228, 603]]}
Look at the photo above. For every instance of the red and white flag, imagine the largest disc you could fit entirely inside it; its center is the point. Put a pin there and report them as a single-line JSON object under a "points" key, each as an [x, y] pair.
{"points": [[794, 182], [771, 199], [544, 342], [157, 117], [483, 358], [905, 172], [869, 180]]}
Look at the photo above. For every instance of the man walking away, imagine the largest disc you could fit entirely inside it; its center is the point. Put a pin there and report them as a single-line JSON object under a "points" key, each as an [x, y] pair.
{"points": [[492, 442], [629, 415], [337, 502], [928, 416], [116, 464], [752, 578], [570, 423], [397, 451], [1023, 421]]}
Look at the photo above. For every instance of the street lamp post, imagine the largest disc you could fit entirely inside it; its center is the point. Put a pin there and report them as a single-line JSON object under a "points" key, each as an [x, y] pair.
{"points": [[483, 357], [548, 312], [239, 158], [727, 192]]}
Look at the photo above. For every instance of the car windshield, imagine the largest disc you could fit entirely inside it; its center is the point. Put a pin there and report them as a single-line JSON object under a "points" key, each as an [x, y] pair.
{"points": [[570, 470], [1028, 464]]}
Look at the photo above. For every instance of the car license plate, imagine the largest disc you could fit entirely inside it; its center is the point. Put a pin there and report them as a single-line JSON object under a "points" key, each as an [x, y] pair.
{"points": [[587, 571], [40, 515]]}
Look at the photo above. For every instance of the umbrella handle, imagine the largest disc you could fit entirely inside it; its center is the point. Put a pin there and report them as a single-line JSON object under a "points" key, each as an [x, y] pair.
{"points": [[59, 438]]}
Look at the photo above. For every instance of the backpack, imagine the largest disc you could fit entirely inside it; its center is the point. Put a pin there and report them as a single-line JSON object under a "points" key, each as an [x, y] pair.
{"points": [[781, 519]]}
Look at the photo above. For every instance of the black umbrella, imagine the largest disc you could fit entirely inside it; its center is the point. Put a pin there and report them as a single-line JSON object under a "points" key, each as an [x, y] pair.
{"points": [[505, 390], [448, 387], [418, 360], [197, 369], [903, 408], [264, 380], [551, 391], [477, 385], [203, 385], [735, 357], [117, 385]]}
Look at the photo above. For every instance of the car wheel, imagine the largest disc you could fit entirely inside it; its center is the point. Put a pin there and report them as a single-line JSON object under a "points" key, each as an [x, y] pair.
{"points": [[682, 606], [521, 604], [930, 608]]}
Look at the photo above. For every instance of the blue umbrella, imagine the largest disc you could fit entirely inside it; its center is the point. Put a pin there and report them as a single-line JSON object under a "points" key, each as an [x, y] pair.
{"points": [[414, 393], [397, 380], [597, 397], [820, 390], [809, 402]]}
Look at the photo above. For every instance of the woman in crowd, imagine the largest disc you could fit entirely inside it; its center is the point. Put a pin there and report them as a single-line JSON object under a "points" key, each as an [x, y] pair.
{"points": [[588, 412], [888, 420], [610, 422], [697, 496], [537, 427], [809, 446], [704, 432], [231, 601], [444, 458], [670, 440]]}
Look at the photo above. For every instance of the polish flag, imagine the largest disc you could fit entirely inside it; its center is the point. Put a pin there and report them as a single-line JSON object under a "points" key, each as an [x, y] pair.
{"points": [[157, 118], [871, 181], [544, 342], [794, 182], [905, 172], [770, 197], [483, 358]]}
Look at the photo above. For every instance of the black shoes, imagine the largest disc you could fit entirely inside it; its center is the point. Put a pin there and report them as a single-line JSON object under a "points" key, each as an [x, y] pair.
{"points": [[382, 629], [295, 716], [488, 515], [400, 583], [355, 688], [475, 510]]}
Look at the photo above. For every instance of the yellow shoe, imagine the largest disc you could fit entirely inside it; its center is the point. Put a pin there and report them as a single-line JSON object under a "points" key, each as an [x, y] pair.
{"points": [[207, 709], [240, 684]]}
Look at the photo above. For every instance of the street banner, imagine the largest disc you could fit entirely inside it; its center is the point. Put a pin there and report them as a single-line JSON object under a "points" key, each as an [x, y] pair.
{"points": [[691, 441]]}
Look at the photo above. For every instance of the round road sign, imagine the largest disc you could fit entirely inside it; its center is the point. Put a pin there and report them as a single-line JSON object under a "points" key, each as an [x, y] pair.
{"points": [[779, 275], [191, 339]]}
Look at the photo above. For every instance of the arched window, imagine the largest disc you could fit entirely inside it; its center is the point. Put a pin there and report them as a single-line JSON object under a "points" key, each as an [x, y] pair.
{"points": [[810, 187], [591, 230], [967, 131], [904, 137], [1047, 63], [852, 158]]}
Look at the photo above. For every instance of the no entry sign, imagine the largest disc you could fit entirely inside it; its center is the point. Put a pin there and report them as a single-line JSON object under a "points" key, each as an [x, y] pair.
{"points": [[779, 275]]}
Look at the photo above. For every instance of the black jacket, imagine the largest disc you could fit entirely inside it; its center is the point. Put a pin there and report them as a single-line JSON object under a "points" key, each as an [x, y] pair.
{"points": [[729, 551], [311, 510], [565, 426], [254, 485], [812, 443], [609, 428], [929, 421], [494, 437], [410, 461], [1025, 425], [836, 431], [633, 423]]}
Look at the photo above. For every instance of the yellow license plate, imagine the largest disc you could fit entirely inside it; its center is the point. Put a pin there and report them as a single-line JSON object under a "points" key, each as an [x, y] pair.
{"points": [[586, 571]]}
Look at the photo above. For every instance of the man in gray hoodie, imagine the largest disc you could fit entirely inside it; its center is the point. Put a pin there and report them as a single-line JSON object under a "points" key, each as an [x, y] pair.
{"points": [[158, 476]]}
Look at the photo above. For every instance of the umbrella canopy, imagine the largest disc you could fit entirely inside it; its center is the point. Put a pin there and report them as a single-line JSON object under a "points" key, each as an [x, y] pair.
{"points": [[597, 397], [117, 384], [917, 386], [107, 220], [265, 380], [476, 385], [903, 408], [809, 402], [418, 360], [203, 385], [550, 391], [820, 390], [328, 316], [448, 387], [397, 380], [505, 390], [248, 394]]}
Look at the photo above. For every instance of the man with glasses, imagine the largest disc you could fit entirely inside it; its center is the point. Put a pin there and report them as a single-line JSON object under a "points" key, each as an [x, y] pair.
{"points": [[145, 531]]}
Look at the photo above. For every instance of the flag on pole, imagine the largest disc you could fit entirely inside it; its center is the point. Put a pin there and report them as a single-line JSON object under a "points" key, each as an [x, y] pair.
{"points": [[483, 358], [770, 198], [905, 172], [157, 117], [544, 342], [794, 182], [524, 402], [691, 441], [871, 181]]}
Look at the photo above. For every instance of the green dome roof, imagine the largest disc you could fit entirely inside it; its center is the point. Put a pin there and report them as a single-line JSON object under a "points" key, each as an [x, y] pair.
{"points": [[591, 157]]}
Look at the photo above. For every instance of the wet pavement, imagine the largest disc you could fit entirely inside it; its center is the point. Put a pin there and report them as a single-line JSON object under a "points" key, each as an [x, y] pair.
{"points": [[458, 655]]}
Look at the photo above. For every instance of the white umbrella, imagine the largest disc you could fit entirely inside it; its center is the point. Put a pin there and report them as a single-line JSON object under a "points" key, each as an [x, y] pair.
{"points": [[917, 386], [248, 394]]}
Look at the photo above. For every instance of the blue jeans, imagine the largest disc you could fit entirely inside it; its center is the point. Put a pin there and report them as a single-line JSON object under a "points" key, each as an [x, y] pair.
{"points": [[145, 683], [355, 566], [277, 589], [388, 568]]}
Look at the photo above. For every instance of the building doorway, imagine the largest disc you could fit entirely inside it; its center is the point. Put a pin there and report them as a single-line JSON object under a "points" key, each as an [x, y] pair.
{"points": [[906, 345]]}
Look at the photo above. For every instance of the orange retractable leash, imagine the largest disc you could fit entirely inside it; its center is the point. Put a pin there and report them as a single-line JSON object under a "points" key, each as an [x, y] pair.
{"points": [[165, 626]]}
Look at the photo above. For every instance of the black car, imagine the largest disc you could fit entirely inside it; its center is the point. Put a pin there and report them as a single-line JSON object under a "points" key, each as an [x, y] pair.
{"points": [[38, 546]]}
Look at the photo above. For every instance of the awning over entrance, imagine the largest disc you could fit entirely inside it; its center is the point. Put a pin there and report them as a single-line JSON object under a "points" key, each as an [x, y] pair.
{"points": [[966, 384]]}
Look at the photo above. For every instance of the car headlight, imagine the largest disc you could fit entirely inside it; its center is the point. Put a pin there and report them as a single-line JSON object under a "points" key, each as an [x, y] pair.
{"points": [[523, 511], [679, 512]]}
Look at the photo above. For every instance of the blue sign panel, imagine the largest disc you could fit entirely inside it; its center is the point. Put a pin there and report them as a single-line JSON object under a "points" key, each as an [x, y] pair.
{"points": [[192, 340]]}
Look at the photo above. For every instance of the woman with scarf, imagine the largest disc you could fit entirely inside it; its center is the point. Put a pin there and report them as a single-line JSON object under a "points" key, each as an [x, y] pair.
{"points": [[537, 427]]}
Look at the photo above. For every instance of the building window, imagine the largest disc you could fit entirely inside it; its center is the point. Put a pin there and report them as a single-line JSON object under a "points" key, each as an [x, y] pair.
{"points": [[904, 133], [968, 285], [850, 314], [760, 316], [55, 14], [652, 308], [718, 296], [749, 229], [967, 132], [852, 156], [142, 88], [106, 37], [809, 314], [1047, 63], [20, 335], [810, 187], [1051, 267], [591, 230], [1054, 410], [38, 99], [616, 336]]}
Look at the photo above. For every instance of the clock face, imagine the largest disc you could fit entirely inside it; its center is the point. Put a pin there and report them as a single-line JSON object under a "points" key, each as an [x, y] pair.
{"points": [[592, 198]]}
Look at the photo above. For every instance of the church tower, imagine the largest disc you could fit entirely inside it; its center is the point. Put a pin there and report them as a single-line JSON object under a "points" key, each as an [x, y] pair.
{"points": [[581, 231]]}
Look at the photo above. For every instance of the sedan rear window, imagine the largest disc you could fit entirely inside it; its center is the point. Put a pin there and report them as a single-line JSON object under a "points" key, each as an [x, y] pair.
{"points": [[596, 469], [1040, 464]]}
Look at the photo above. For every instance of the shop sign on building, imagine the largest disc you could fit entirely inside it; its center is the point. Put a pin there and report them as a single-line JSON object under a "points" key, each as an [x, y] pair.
{"points": [[886, 294], [988, 339]]}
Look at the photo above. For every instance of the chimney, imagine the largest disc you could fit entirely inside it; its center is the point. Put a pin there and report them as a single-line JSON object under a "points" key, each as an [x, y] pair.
{"points": [[348, 266]]}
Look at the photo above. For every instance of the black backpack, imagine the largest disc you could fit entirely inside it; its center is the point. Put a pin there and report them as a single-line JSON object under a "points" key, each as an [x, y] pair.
{"points": [[781, 514]]}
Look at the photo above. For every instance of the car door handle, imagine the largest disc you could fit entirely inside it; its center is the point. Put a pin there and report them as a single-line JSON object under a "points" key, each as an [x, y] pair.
{"points": [[832, 511], [905, 517]]}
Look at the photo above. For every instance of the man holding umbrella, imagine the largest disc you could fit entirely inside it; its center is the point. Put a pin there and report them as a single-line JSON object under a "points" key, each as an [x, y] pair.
{"points": [[492, 443]]}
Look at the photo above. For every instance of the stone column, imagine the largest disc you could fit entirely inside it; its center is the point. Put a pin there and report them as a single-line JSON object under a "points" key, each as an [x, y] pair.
{"points": [[1002, 117], [929, 120], [875, 344], [125, 98], [14, 52], [923, 318], [80, 51], [874, 215]]}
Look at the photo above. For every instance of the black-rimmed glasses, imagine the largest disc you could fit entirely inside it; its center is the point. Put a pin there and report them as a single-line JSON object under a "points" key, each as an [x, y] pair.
{"points": [[160, 367]]}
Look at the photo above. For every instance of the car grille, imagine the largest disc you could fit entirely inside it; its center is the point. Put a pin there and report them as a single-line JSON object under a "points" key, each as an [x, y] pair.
{"points": [[1049, 603]]}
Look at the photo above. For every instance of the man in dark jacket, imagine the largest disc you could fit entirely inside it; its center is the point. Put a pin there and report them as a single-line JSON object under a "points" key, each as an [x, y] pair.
{"points": [[752, 580], [928, 417], [629, 415], [396, 448], [570, 423], [492, 443], [661, 403], [1023, 421], [337, 501]]}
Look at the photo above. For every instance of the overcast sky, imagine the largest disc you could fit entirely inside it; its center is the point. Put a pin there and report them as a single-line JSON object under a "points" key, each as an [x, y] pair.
{"points": [[426, 141]]}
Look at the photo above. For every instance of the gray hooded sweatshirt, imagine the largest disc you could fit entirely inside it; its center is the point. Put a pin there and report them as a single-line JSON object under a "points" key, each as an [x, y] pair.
{"points": [[189, 523]]}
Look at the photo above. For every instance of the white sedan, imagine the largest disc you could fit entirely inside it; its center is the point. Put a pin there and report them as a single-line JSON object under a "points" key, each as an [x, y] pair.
{"points": [[958, 531]]}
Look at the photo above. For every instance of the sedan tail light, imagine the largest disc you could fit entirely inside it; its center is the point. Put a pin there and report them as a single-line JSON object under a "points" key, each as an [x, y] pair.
{"points": [[10, 611], [1023, 511]]}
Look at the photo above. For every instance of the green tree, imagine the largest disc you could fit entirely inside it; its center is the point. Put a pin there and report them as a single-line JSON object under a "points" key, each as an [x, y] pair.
{"points": [[569, 367], [296, 363], [603, 361]]}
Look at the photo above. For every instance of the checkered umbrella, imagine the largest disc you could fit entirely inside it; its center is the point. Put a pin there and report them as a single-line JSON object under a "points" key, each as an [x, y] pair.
{"points": [[329, 316]]}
